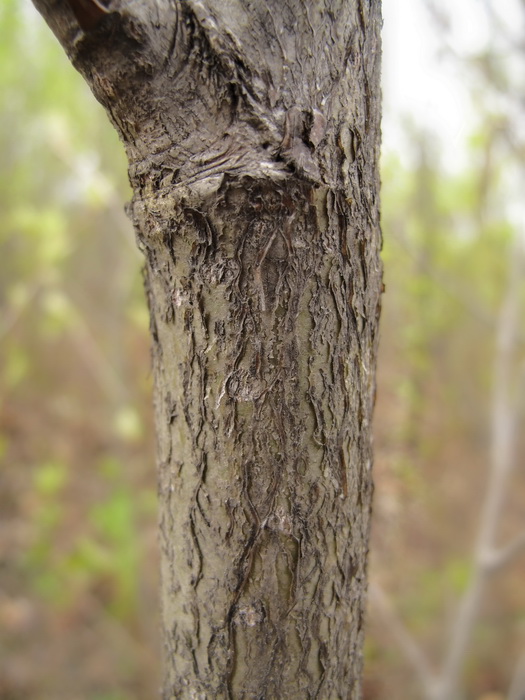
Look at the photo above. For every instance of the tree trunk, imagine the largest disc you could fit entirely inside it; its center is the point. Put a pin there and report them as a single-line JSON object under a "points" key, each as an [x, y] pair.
{"points": [[252, 132]]}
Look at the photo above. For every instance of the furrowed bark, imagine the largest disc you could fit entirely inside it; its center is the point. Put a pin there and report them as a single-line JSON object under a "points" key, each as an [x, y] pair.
{"points": [[252, 134]]}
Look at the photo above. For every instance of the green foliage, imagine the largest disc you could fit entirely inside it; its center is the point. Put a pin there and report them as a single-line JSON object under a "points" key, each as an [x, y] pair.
{"points": [[72, 331], [50, 480], [105, 554], [114, 525], [445, 271], [447, 237]]}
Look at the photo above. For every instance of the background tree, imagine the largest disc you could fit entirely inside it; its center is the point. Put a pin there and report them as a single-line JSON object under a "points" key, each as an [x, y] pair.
{"points": [[252, 140], [448, 436]]}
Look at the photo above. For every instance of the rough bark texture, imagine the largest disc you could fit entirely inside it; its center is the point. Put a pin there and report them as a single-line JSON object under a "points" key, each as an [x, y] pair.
{"points": [[252, 131]]}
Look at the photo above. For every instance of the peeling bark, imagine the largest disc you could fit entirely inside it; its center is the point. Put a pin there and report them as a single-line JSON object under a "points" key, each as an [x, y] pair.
{"points": [[252, 133]]}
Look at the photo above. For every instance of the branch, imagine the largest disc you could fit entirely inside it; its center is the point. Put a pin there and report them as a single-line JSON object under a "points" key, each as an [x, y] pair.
{"points": [[497, 559], [517, 685], [408, 645], [503, 437], [116, 49]]}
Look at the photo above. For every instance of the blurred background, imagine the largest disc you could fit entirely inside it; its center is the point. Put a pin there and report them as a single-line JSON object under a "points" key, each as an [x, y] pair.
{"points": [[78, 559]]}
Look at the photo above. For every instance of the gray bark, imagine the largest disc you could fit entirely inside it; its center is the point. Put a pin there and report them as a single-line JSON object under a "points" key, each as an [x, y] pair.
{"points": [[252, 132]]}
